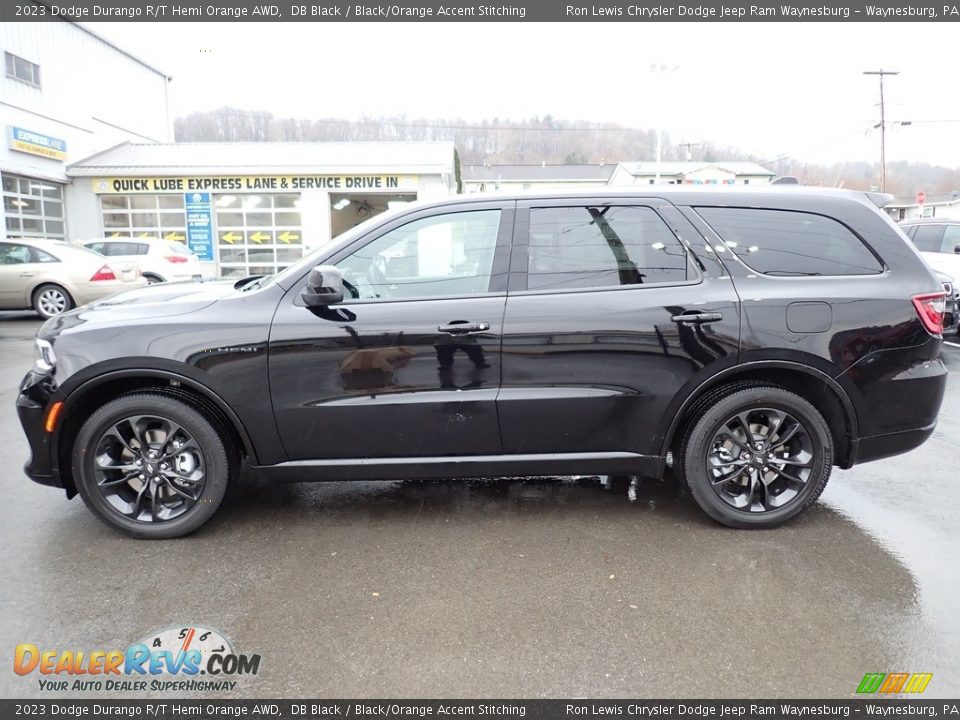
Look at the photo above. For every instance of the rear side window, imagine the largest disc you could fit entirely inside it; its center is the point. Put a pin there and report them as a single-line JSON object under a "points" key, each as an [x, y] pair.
{"points": [[927, 237], [594, 247], [96, 247], [789, 243], [43, 256]]}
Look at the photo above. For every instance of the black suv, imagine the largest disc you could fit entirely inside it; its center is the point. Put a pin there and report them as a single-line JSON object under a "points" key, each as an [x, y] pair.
{"points": [[751, 340]]}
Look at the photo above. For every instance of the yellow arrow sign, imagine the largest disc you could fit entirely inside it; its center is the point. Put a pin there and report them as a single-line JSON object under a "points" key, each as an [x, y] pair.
{"points": [[145, 235], [288, 237], [230, 237], [174, 236], [259, 237], [115, 236]]}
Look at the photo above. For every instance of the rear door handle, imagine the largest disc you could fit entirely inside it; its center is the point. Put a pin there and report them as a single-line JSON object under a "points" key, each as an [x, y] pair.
{"points": [[698, 318], [27, 274], [463, 327]]}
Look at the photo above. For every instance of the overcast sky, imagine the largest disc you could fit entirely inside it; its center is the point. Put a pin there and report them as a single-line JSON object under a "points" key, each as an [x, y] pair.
{"points": [[770, 88]]}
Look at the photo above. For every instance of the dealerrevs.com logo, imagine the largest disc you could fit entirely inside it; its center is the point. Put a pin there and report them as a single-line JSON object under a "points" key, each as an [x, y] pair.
{"points": [[168, 660]]}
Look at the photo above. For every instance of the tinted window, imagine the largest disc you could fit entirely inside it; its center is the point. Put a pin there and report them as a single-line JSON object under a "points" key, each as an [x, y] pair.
{"points": [[588, 247], [951, 239], [96, 247], [927, 237], [14, 254], [442, 255], [788, 243]]}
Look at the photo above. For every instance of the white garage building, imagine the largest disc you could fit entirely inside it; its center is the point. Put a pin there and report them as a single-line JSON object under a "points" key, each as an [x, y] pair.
{"points": [[249, 208]]}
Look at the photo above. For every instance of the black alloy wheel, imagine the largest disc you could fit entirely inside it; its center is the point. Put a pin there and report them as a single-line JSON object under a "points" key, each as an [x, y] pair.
{"points": [[758, 456], [151, 465]]}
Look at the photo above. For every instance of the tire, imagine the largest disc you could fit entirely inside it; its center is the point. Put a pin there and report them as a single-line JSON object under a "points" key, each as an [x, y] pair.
{"points": [[50, 300], [778, 481], [114, 446]]}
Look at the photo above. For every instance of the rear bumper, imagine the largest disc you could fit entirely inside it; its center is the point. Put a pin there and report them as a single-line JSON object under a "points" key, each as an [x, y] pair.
{"points": [[883, 446], [103, 288]]}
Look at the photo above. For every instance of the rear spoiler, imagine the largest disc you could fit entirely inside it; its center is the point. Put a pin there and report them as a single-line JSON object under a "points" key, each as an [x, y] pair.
{"points": [[880, 199]]}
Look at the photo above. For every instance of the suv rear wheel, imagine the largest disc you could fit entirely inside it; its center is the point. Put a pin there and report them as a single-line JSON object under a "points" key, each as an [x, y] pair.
{"points": [[757, 457], [150, 466]]}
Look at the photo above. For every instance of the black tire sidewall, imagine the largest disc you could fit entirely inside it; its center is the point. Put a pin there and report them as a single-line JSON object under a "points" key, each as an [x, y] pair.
{"points": [[214, 455], [700, 437]]}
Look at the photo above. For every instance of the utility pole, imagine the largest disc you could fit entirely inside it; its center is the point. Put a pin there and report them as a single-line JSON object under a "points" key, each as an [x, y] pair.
{"points": [[881, 73], [688, 146]]}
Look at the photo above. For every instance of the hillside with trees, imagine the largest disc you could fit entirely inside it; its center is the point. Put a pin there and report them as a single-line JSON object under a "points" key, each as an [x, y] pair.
{"points": [[545, 139]]}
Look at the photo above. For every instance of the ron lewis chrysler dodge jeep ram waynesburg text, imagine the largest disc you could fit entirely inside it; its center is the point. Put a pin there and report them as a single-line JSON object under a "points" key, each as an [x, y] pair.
{"points": [[752, 340]]}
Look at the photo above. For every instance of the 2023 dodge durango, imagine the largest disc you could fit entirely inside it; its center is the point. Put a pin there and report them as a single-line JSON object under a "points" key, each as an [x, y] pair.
{"points": [[751, 339]]}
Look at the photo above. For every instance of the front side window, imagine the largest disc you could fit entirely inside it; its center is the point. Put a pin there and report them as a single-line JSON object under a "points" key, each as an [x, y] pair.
{"points": [[596, 247], [442, 255], [951, 239], [789, 243]]}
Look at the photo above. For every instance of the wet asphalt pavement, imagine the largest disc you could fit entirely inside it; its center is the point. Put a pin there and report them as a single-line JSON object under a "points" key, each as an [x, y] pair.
{"points": [[505, 588]]}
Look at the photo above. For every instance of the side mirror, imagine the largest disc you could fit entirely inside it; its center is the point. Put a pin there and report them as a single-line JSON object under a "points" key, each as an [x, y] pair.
{"points": [[324, 287]]}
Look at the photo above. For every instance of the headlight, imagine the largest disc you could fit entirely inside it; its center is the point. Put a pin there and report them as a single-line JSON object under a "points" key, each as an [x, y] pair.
{"points": [[44, 358]]}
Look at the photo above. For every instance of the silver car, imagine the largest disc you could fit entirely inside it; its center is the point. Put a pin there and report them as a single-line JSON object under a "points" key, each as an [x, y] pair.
{"points": [[52, 276]]}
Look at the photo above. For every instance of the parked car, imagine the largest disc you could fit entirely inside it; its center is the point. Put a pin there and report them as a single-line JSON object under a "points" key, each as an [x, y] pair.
{"points": [[751, 339], [938, 240], [951, 314], [159, 260], [52, 277]]}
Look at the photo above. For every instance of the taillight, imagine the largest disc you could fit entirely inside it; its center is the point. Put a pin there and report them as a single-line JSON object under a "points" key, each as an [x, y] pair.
{"points": [[104, 273], [930, 308], [176, 258]]}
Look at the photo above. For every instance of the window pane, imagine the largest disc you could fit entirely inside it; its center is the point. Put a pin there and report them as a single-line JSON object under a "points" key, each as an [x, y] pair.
{"points": [[116, 220], [14, 254], [927, 237], [782, 242], [9, 184], [288, 218], [172, 220], [54, 227], [8, 62], [951, 239], [443, 255], [144, 220], [32, 225], [143, 202], [259, 219], [114, 202], [228, 219], [584, 247], [286, 201], [13, 224], [53, 209], [171, 201]]}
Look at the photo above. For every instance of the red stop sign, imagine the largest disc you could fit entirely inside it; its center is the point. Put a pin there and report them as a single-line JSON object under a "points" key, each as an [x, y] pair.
{"points": [[921, 197]]}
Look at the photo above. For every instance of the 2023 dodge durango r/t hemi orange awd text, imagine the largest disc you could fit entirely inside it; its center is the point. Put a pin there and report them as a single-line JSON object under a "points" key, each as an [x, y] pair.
{"points": [[753, 339]]}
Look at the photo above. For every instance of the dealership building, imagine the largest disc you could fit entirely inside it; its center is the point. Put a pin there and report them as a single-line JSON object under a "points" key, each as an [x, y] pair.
{"points": [[249, 208]]}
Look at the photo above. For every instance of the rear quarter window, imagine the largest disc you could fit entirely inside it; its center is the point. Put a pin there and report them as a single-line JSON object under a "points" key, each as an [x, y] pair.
{"points": [[790, 243]]}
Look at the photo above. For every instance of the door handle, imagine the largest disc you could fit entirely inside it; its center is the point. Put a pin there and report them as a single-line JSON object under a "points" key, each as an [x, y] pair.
{"points": [[463, 327], [698, 318], [27, 274]]}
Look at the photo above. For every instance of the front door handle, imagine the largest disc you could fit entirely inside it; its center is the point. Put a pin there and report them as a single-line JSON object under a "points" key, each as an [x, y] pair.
{"points": [[463, 327], [698, 318]]}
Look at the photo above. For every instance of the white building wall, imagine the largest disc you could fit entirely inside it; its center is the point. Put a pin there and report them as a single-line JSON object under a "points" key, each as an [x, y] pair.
{"points": [[90, 111]]}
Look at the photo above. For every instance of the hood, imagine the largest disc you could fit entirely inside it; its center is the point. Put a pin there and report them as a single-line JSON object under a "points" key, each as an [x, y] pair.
{"points": [[143, 304]]}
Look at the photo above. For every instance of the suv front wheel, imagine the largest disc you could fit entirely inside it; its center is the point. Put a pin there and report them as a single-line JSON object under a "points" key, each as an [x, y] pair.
{"points": [[757, 457], [150, 466]]}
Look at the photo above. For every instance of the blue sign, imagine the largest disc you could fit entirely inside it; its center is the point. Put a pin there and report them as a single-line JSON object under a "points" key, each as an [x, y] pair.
{"points": [[199, 224], [36, 143]]}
